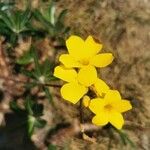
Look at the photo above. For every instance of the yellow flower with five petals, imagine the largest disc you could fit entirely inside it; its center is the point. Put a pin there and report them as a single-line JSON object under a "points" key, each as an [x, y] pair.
{"points": [[84, 53], [109, 109], [78, 83]]}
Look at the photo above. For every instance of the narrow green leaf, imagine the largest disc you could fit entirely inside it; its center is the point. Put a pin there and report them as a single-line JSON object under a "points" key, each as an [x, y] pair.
{"points": [[5, 6], [40, 123], [6, 19], [52, 13], [125, 139], [25, 59], [48, 94], [29, 105], [38, 15], [36, 62], [31, 124], [27, 73], [62, 15], [46, 68], [26, 15]]}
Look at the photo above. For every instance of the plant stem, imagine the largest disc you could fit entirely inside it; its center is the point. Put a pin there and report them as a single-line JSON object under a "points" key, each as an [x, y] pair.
{"points": [[81, 115]]}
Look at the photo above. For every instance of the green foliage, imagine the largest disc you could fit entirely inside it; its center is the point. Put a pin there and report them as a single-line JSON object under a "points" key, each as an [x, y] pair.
{"points": [[6, 6], [52, 147], [53, 25], [41, 74], [26, 58], [14, 23], [35, 111], [125, 138]]}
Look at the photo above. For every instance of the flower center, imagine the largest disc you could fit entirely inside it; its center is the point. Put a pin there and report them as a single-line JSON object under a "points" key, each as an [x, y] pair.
{"points": [[108, 107], [85, 62]]}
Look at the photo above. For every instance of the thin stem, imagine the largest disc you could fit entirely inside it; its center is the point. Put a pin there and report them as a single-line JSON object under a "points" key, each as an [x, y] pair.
{"points": [[81, 115], [24, 82]]}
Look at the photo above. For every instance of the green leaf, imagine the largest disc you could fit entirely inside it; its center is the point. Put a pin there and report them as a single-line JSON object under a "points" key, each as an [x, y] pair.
{"points": [[27, 73], [48, 94], [62, 15], [40, 123], [49, 13], [5, 6], [52, 147], [125, 139], [37, 109], [35, 123], [36, 62], [59, 27], [6, 20], [28, 105], [29, 86], [14, 106], [46, 69], [31, 123], [38, 15], [25, 18], [52, 13], [25, 59]]}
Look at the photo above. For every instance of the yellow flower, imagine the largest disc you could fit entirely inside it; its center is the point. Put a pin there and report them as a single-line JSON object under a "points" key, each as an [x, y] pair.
{"points": [[84, 53], [86, 101], [109, 109], [100, 88], [78, 83]]}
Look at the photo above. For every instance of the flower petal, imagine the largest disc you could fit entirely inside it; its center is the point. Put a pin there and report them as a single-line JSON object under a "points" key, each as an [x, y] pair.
{"points": [[86, 101], [73, 92], [97, 105], [68, 75], [116, 119], [102, 60], [122, 106], [101, 119], [112, 96], [92, 47], [68, 61], [76, 47], [101, 87], [87, 75]]}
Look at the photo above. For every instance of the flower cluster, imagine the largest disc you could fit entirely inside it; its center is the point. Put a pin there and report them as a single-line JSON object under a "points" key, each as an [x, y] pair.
{"points": [[78, 69]]}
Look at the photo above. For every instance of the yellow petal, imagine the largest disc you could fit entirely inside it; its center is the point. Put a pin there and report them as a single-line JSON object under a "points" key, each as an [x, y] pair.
{"points": [[123, 106], [76, 47], [97, 105], [116, 119], [73, 92], [102, 60], [68, 75], [87, 76], [86, 101], [91, 47], [101, 119], [68, 61], [112, 96], [101, 87]]}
